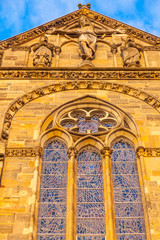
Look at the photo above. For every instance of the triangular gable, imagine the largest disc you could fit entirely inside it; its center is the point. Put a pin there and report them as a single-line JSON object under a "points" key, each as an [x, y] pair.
{"points": [[67, 19]]}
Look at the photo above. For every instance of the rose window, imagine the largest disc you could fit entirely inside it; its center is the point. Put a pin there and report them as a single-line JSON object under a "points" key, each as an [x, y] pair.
{"points": [[88, 120]]}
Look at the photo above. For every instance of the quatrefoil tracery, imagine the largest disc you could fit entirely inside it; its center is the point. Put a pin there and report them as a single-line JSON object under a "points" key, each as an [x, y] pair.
{"points": [[88, 120]]}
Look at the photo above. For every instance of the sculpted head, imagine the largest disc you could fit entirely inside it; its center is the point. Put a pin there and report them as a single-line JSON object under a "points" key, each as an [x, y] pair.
{"points": [[43, 40], [84, 21]]}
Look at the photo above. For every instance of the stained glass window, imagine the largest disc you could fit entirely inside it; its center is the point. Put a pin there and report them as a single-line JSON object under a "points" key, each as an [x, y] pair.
{"points": [[53, 190], [90, 196], [127, 195]]}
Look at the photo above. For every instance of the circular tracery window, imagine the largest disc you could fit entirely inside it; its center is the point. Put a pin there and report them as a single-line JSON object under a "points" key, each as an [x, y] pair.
{"points": [[88, 120]]}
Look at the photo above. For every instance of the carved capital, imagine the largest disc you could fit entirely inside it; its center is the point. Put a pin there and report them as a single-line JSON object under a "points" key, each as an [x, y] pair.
{"points": [[72, 152], [38, 150], [106, 151], [140, 151]]}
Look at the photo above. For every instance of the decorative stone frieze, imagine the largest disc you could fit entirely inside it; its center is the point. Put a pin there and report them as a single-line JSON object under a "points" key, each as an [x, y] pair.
{"points": [[78, 75], [148, 152], [23, 152]]}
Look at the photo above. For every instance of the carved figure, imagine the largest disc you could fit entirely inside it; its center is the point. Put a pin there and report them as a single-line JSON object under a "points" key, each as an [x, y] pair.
{"points": [[43, 52], [87, 36], [130, 52]]}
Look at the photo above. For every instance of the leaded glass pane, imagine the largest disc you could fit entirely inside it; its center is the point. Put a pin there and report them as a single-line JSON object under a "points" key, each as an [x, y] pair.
{"points": [[90, 196], [99, 237], [127, 197], [53, 190], [131, 237], [85, 125]]}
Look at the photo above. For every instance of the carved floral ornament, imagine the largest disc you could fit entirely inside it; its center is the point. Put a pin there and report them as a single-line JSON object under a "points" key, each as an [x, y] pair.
{"points": [[33, 152], [61, 22], [77, 75], [64, 86]]}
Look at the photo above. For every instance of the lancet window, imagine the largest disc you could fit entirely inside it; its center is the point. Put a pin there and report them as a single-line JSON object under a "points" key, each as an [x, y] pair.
{"points": [[53, 192], [81, 215], [127, 196], [90, 196]]}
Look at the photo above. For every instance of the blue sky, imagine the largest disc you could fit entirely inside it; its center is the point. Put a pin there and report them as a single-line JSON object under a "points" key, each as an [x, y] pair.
{"points": [[17, 16]]}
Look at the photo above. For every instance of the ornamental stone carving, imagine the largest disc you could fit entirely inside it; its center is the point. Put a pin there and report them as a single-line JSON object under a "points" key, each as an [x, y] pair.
{"points": [[43, 53], [87, 36], [130, 52]]}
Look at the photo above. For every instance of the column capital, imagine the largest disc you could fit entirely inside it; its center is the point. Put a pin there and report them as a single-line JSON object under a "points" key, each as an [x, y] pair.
{"points": [[72, 151], [106, 151], [140, 151], [39, 150]]}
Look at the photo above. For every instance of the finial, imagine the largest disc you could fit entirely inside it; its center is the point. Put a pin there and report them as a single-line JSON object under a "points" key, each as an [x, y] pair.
{"points": [[88, 6]]}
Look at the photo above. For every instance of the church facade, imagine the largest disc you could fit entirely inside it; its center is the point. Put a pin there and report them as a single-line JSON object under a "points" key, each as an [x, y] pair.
{"points": [[80, 131]]}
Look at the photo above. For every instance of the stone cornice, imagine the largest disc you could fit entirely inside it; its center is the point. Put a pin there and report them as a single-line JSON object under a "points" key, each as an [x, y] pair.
{"points": [[79, 74], [63, 21]]}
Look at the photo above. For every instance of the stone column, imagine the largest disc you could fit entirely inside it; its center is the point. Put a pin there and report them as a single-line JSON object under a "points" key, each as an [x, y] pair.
{"points": [[140, 151], [71, 195], [108, 194]]}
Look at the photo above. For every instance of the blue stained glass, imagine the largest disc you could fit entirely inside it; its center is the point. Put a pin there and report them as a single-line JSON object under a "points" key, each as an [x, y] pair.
{"points": [[51, 225], [90, 181], [124, 168], [125, 181], [89, 168], [90, 210], [135, 225], [58, 155], [99, 237], [128, 210], [90, 226], [52, 210], [53, 191], [109, 124], [121, 145], [85, 125], [55, 237], [53, 181], [127, 196], [89, 156], [131, 237], [90, 196], [54, 168], [123, 155], [52, 195], [68, 124]]}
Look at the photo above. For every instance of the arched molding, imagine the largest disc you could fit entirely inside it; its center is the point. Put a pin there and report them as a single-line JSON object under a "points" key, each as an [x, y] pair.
{"points": [[48, 136], [74, 85], [89, 140], [122, 133]]}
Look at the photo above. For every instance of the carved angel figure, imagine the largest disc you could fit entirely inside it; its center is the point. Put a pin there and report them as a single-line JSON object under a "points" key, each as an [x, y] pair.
{"points": [[43, 52], [130, 52], [87, 36]]}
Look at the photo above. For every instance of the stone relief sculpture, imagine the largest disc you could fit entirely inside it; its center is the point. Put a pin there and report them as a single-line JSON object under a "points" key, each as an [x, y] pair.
{"points": [[43, 52], [87, 36], [131, 52]]}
